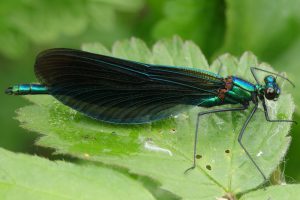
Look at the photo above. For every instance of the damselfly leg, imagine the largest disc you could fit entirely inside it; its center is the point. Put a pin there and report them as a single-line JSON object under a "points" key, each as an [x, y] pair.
{"points": [[197, 126], [273, 120], [241, 134]]}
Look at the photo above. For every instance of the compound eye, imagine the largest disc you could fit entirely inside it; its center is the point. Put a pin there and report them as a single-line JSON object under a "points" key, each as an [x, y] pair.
{"points": [[270, 93]]}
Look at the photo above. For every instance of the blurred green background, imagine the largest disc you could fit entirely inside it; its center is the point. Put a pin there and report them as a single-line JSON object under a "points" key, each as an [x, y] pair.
{"points": [[270, 29]]}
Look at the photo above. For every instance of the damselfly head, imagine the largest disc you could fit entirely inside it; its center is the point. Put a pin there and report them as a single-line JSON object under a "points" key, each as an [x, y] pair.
{"points": [[272, 90]]}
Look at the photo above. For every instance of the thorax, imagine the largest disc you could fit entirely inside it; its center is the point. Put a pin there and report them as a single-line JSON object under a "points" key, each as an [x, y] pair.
{"points": [[235, 91], [240, 90]]}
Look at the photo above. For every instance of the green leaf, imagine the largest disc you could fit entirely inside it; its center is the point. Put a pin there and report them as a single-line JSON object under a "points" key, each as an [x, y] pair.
{"points": [[278, 192], [287, 61], [164, 150], [31, 177], [250, 25], [44, 22], [26, 23], [204, 22]]}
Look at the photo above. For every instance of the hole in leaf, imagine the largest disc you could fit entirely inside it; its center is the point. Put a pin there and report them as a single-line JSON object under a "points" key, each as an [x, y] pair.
{"points": [[173, 130], [149, 140], [113, 133], [208, 167], [198, 156], [227, 151]]}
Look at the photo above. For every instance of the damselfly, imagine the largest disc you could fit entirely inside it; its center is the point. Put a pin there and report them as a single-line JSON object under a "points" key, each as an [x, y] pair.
{"points": [[128, 92]]}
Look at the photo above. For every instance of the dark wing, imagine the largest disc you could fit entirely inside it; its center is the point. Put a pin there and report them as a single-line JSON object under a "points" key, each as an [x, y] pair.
{"points": [[121, 91]]}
